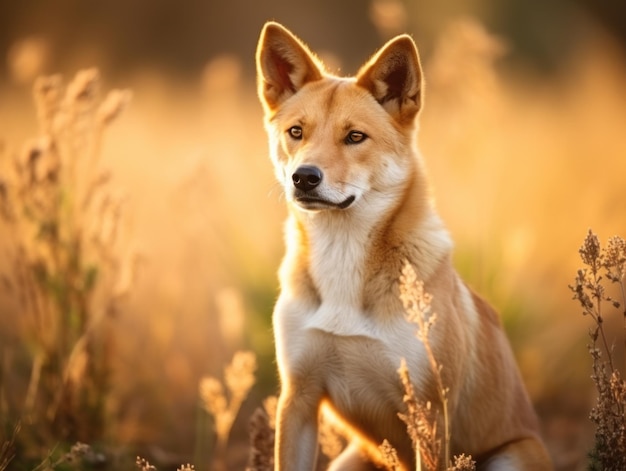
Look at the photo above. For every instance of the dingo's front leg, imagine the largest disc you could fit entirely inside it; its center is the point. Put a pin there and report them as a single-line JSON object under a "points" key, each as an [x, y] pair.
{"points": [[296, 432]]}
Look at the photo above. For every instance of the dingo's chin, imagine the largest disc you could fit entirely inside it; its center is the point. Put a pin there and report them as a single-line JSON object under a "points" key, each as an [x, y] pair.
{"points": [[314, 202]]}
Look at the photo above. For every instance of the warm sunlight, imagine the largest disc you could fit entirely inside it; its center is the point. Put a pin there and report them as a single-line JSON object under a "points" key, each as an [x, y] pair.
{"points": [[141, 224]]}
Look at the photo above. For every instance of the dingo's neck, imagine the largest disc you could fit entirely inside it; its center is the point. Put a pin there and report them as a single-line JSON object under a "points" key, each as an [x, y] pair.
{"points": [[334, 255], [338, 245]]}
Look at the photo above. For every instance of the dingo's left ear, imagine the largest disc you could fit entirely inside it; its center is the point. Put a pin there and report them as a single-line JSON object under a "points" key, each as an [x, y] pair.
{"points": [[284, 65], [394, 77]]}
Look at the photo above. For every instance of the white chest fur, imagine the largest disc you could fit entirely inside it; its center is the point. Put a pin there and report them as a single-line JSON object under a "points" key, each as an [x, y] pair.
{"points": [[338, 253]]}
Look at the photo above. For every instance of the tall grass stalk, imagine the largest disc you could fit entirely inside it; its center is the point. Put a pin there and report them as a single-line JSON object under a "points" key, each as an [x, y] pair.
{"points": [[68, 265], [262, 431], [7, 449], [590, 290], [432, 447], [421, 420], [224, 407]]}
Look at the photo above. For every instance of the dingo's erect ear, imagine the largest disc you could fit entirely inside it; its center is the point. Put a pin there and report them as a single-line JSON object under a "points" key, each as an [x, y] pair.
{"points": [[394, 76], [284, 65]]}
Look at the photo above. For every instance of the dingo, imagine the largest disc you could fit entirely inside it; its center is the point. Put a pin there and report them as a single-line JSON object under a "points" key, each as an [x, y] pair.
{"points": [[344, 151]]}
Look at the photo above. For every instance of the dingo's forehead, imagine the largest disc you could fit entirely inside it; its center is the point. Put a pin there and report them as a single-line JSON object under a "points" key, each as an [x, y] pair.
{"points": [[336, 102]]}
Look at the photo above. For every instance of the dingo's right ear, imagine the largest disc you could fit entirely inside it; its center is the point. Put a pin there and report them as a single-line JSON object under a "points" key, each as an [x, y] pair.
{"points": [[284, 65]]}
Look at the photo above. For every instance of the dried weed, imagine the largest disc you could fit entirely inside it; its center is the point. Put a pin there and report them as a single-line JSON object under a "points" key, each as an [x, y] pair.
{"points": [[69, 260], [609, 413], [224, 407]]}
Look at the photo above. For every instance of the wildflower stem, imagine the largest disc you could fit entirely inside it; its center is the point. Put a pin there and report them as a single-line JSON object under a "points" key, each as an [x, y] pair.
{"points": [[623, 293], [443, 397], [597, 294], [417, 305], [608, 415], [33, 384]]}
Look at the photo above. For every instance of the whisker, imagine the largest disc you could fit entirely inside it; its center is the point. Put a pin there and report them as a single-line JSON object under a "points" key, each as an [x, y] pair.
{"points": [[281, 191]]}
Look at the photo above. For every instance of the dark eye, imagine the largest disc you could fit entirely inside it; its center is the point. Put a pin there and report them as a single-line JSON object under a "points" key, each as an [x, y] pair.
{"points": [[295, 132], [355, 137]]}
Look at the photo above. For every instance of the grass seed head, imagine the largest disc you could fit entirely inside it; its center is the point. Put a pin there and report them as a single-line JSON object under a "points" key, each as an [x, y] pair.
{"points": [[113, 105], [144, 465], [239, 374], [212, 395], [463, 463], [389, 456]]}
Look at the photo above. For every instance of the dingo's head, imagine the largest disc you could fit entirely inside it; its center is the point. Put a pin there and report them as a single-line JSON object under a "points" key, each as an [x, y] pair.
{"points": [[338, 143]]}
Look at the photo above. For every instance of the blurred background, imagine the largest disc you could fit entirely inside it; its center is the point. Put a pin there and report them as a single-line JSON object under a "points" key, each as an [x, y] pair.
{"points": [[523, 136]]}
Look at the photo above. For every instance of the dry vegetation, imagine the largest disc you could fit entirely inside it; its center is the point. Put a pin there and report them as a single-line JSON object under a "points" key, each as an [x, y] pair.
{"points": [[67, 263], [431, 444], [89, 352], [239, 378], [605, 268]]}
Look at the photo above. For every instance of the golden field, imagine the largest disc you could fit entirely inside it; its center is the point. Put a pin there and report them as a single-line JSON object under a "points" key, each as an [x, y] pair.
{"points": [[522, 164]]}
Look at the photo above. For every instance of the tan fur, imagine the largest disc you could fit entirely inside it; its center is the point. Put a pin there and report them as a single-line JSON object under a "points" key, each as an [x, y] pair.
{"points": [[339, 325]]}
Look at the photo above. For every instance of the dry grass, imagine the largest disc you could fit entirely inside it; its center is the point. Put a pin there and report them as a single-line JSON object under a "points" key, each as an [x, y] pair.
{"points": [[431, 445], [68, 264], [591, 291], [79, 456], [519, 166], [144, 465], [262, 430], [7, 449], [239, 378], [423, 418]]}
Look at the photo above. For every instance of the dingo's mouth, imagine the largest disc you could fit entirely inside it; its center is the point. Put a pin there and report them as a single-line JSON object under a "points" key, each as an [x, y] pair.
{"points": [[311, 202]]}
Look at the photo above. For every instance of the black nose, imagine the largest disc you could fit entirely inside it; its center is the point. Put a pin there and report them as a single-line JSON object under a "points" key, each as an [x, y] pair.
{"points": [[307, 177]]}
